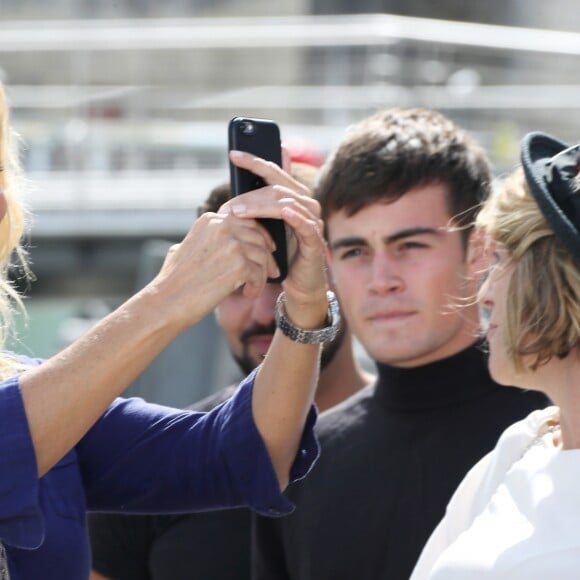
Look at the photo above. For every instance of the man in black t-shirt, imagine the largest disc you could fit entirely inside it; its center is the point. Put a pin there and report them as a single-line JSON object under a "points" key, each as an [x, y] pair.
{"points": [[215, 545]]}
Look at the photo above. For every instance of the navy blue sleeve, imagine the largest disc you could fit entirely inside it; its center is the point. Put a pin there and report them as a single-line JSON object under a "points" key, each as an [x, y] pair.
{"points": [[145, 458], [21, 522]]}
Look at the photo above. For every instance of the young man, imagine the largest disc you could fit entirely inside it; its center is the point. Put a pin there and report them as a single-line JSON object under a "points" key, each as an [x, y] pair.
{"points": [[398, 197], [215, 545]]}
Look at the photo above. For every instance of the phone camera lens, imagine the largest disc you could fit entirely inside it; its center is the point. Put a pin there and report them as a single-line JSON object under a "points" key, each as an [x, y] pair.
{"points": [[247, 128]]}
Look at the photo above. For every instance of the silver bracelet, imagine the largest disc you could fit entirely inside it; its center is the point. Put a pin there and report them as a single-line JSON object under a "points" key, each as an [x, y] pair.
{"points": [[326, 334]]}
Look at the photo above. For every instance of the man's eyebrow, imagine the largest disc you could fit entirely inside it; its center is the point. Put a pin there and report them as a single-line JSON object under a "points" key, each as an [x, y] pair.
{"points": [[350, 241], [409, 232], [347, 242]]}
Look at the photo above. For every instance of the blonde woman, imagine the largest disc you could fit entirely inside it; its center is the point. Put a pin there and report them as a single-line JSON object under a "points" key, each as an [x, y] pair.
{"points": [[516, 513], [68, 444]]}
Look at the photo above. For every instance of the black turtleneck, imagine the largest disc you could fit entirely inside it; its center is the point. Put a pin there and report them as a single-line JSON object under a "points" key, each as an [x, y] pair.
{"points": [[392, 455], [444, 383]]}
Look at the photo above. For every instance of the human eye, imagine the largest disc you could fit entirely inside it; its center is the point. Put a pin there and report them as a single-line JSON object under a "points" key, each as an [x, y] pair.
{"points": [[497, 262], [499, 257], [411, 245], [494, 258], [350, 253]]}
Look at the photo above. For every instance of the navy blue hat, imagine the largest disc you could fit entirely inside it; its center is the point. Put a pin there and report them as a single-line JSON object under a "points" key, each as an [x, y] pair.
{"points": [[551, 168]]}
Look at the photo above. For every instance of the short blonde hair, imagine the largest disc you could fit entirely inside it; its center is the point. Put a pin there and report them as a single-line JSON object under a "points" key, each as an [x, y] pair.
{"points": [[543, 302], [11, 231]]}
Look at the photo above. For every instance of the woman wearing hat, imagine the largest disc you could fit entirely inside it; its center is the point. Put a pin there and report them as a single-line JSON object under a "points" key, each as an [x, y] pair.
{"points": [[517, 512]]}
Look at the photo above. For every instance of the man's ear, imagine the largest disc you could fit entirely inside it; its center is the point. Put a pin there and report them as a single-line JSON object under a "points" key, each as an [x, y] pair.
{"points": [[329, 275], [329, 264], [328, 255]]}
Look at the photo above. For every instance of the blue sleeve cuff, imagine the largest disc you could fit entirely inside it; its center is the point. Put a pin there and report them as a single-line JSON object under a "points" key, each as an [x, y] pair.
{"points": [[144, 458], [21, 520], [257, 479]]}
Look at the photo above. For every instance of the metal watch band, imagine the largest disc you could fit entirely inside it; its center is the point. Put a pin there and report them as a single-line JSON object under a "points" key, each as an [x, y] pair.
{"points": [[326, 334], [4, 574]]}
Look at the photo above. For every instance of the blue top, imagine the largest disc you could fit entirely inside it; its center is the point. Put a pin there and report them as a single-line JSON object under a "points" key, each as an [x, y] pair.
{"points": [[138, 457]]}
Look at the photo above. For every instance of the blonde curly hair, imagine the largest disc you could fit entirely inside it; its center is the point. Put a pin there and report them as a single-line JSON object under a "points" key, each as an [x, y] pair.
{"points": [[12, 225], [543, 301]]}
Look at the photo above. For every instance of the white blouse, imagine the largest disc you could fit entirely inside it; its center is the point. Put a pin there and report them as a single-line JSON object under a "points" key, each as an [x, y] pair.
{"points": [[515, 515]]}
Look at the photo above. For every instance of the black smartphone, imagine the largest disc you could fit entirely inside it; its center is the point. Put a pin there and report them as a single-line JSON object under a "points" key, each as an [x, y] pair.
{"points": [[261, 137]]}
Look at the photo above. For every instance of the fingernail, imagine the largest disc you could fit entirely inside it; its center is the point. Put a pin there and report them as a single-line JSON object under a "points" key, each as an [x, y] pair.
{"points": [[235, 154], [239, 209], [224, 210]]}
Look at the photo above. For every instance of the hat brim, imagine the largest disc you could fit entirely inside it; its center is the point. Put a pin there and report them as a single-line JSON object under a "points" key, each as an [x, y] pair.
{"points": [[536, 150]]}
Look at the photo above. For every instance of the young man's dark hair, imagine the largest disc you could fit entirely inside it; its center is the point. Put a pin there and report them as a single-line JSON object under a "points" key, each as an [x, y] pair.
{"points": [[397, 150]]}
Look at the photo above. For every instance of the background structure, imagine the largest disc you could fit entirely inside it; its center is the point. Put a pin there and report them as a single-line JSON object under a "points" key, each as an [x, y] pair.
{"points": [[122, 110]]}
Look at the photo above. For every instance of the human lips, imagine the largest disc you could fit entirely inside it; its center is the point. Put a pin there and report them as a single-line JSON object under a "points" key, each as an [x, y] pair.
{"points": [[260, 342], [391, 316], [491, 327]]}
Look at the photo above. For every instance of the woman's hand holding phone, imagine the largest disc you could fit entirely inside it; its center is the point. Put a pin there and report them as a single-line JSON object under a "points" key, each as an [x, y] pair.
{"points": [[286, 199], [260, 137]]}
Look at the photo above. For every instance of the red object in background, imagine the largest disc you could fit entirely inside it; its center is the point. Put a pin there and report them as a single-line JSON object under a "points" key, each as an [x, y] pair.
{"points": [[302, 151]]}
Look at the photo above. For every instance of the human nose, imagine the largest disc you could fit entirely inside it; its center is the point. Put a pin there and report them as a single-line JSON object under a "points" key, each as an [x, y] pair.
{"points": [[484, 294], [264, 304], [484, 305], [384, 275]]}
